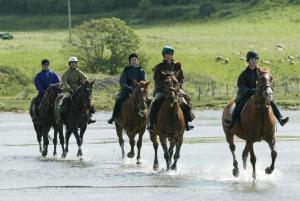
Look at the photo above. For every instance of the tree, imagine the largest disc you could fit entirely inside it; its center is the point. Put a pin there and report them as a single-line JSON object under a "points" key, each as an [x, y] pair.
{"points": [[103, 45]]}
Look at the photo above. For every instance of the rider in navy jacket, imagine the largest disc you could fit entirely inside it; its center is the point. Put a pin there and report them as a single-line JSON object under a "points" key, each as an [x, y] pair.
{"points": [[42, 81]]}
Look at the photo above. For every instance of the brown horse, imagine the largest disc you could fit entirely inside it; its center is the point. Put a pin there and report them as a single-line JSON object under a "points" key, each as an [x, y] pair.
{"points": [[170, 123], [46, 120], [257, 123], [133, 118]]}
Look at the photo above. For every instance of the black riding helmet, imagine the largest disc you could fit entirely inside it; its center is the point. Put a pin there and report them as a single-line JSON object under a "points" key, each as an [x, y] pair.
{"points": [[45, 61], [133, 55], [251, 54]]}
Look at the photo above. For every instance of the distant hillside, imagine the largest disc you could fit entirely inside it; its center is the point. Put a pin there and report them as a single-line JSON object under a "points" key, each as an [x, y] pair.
{"points": [[52, 14]]}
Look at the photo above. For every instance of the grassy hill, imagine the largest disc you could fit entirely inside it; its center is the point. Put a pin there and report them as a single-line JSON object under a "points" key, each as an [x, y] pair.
{"points": [[197, 43]]}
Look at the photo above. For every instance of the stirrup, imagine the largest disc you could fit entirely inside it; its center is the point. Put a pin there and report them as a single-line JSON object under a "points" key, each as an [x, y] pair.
{"points": [[189, 127], [90, 121]]}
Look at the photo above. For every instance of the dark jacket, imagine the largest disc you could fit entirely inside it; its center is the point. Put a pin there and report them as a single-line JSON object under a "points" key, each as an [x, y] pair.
{"points": [[129, 74], [247, 83], [43, 79], [159, 77]]}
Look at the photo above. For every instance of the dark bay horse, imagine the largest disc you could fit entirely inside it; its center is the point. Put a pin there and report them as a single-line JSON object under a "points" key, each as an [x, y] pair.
{"points": [[46, 120], [77, 116], [170, 123], [257, 123], [133, 118]]}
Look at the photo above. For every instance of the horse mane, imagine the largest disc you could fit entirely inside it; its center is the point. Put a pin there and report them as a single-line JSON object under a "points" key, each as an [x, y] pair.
{"points": [[264, 70]]}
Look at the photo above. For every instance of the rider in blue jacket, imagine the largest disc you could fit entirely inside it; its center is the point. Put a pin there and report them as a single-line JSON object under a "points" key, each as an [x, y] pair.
{"points": [[42, 81]]}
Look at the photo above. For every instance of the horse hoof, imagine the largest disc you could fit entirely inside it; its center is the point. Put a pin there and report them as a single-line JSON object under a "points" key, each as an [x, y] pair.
{"points": [[254, 177], [236, 172], [44, 153], [173, 167], [79, 154], [54, 154], [63, 155], [138, 162], [155, 167], [130, 155], [268, 170]]}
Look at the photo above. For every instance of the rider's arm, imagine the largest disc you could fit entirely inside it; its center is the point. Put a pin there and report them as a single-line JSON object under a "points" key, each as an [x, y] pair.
{"points": [[38, 84], [54, 79], [123, 81], [242, 85], [82, 76], [66, 86]]}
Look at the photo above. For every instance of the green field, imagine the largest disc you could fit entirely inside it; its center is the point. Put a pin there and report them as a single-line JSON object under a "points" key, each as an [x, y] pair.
{"points": [[196, 44]]}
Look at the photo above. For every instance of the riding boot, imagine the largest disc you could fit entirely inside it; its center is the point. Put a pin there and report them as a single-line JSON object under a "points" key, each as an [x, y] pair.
{"points": [[153, 113], [278, 115], [234, 115], [90, 114], [116, 111], [188, 116]]}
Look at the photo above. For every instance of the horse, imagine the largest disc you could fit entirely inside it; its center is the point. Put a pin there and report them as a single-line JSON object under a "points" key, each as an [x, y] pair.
{"points": [[46, 120], [257, 122], [77, 116], [133, 118], [170, 123]]}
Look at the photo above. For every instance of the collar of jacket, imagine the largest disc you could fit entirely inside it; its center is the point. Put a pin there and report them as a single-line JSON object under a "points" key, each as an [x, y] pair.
{"points": [[131, 66], [250, 70]]}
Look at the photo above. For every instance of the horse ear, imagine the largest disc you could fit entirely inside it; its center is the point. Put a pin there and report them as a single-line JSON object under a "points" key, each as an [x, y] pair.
{"points": [[92, 82], [147, 83], [178, 65], [136, 83]]}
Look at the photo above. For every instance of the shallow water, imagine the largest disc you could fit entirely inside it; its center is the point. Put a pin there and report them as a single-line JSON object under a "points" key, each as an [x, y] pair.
{"points": [[204, 169]]}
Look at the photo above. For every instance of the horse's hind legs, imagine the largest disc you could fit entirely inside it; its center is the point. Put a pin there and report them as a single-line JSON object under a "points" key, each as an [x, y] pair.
{"points": [[79, 141], [253, 160], [46, 143], [68, 134], [61, 140], [153, 137], [171, 148], [271, 143], [245, 155], [176, 156], [121, 140], [235, 170]]}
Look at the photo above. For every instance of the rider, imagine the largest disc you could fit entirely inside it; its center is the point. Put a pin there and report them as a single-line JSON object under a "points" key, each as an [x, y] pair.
{"points": [[246, 88], [131, 72], [169, 64], [71, 80], [42, 81]]}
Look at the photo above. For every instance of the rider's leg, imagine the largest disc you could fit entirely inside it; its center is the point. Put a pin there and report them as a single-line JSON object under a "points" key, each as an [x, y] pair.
{"points": [[188, 115], [118, 105], [278, 115], [154, 108]]}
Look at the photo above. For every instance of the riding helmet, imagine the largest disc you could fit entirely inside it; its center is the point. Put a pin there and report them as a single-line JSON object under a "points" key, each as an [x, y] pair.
{"points": [[167, 50], [251, 54]]}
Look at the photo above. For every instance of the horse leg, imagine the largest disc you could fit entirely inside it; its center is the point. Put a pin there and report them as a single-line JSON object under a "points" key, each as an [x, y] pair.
{"points": [[153, 137], [61, 140], [271, 143], [245, 155], [139, 146], [78, 140], [68, 134], [121, 140], [176, 155], [46, 141], [253, 160], [235, 171], [55, 142], [132, 144], [171, 148], [39, 139], [166, 151]]}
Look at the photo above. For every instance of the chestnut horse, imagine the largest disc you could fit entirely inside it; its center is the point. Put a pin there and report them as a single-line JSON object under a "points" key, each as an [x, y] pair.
{"points": [[257, 122], [46, 120], [133, 118], [170, 123]]}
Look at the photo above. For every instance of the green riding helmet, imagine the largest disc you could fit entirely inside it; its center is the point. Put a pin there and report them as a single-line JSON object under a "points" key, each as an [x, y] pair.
{"points": [[167, 50]]}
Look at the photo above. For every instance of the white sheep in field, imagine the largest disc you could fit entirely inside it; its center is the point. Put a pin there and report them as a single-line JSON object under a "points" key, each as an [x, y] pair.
{"points": [[266, 62], [219, 58]]}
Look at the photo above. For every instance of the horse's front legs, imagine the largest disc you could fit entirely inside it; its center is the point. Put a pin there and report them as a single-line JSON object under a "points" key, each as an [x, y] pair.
{"points": [[139, 147], [253, 160], [271, 143], [153, 137], [176, 155]]}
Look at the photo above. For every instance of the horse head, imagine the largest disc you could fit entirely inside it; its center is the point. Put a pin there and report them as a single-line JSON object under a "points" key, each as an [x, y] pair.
{"points": [[83, 95], [52, 92], [171, 88], [140, 95], [264, 89]]}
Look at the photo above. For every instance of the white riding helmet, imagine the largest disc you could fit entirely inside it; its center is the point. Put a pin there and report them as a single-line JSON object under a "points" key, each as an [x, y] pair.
{"points": [[71, 59]]}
